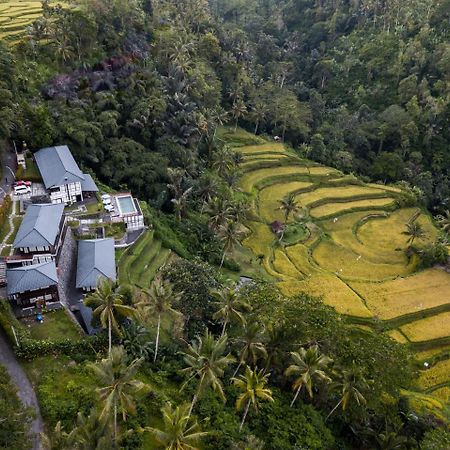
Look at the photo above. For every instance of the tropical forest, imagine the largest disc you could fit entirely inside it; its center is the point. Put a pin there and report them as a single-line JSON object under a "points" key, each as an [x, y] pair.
{"points": [[267, 185]]}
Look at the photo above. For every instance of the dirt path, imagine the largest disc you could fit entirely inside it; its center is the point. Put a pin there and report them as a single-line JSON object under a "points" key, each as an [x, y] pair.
{"points": [[25, 389]]}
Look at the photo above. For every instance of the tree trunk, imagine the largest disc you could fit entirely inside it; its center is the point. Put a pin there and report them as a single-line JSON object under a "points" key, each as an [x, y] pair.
{"points": [[194, 401], [256, 127], [244, 416], [225, 322], [237, 369], [157, 338], [109, 334], [334, 409], [235, 125], [296, 395], [115, 423], [223, 259]]}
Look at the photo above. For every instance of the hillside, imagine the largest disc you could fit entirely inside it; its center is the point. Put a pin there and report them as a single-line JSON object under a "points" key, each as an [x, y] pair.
{"points": [[346, 244]]}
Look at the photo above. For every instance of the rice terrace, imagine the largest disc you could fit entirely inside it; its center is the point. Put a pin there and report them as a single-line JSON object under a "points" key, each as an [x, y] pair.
{"points": [[346, 243]]}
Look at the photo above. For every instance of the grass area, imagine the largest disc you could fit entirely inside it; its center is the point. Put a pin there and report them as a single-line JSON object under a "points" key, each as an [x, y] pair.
{"points": [[263, 148], [427, 404], [57, 325], [427, 289], [442, 394], [397, 336], [283, 265], [31, 173], [269, 199], [431, 353], [16, 223], [299, 255], [6, 250], [331, 209], [435, 375], [434, 327]]}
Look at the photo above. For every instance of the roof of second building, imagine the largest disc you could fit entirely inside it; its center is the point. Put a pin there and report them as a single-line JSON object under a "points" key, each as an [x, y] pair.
{"points": [[31, 278], [57, 166], [96, 259], [40, 226]]}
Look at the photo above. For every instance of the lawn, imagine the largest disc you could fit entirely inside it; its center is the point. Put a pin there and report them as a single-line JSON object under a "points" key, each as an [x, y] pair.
{"points": [[437, 374], [31, 173], [331, 209], [427, 289], [57, 325], [269, 199], [341, 192], [434, 327]]}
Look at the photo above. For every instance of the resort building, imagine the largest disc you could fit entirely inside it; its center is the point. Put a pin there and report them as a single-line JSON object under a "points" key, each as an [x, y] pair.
{"points": [[126, 209], [34, 285], [96, 260], [63, 179], [40, 234]]}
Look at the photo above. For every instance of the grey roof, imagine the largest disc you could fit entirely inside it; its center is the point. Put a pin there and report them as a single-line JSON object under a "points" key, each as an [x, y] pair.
{"points": [[88, 184], [31, 278], [57, 166], [40, 226], [96, 259]]}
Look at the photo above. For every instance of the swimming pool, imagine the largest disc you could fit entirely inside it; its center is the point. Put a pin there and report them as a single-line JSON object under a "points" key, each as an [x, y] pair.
{"points": [[126, 205]]}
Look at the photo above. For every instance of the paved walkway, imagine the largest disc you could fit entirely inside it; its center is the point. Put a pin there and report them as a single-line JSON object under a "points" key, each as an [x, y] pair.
{"points": [[25, 389]]}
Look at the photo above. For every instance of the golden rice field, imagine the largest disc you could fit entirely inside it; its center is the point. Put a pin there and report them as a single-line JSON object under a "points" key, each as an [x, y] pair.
{"points": [[430, 328], [355, 257], [269, 199], [330, 209], [443, 394], [341, 192], [389, 299], [437, 374]]}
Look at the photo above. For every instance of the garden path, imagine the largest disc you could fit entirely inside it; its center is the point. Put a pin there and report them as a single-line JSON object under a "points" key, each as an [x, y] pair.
{"points": [[25, 389]]}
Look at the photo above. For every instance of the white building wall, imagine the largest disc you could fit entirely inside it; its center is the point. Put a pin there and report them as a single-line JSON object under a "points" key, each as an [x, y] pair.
{"points": [[66, 193]]}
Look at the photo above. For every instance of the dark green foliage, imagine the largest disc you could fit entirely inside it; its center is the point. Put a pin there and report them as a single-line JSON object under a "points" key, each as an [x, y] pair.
{"points": [[438, 439], [15, 419]]}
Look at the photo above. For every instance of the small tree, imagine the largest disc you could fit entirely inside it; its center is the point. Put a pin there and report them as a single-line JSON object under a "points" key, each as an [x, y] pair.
{"points": [[414, 230], [230, 235]]}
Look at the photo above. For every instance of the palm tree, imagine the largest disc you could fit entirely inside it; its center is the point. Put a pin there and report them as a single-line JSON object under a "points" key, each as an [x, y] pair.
{"points": [[258, 114], [252, 347], [118, 384], [108, 303], [206, 362], [238, 109], [415, 231], [444, 221], [309, 366], [59, 439], [180, 431], [230, 306], [253, 388], [230, 235], [219, 212], [223, 160], [180, 203], [158, 302], [351, 385], [289, 206], [136, 340]]}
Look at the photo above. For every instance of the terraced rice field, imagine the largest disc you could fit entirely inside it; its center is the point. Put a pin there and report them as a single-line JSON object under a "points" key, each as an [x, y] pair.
{"points": [[353, 255], [16, 16]]}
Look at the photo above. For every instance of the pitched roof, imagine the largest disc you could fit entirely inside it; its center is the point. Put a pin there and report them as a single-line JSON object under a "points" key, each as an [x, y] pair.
{"points": [[96, 259], [31, 278], [88, 184], [57, 166], [40, 226]]}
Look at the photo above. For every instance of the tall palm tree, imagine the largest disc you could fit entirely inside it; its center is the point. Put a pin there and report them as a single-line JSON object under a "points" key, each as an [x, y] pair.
{"points": [[351, 386], [308, 367], [158, 302], [444, 221], [206, 361], [230, 235], [219, 212], [118, 384], [289, 206], [414, 231], [252, 385], [238, 110], [107, 303], [251, 345], [180, 431], [223, 160], [58, 440], [258, 114], [230, 306]]}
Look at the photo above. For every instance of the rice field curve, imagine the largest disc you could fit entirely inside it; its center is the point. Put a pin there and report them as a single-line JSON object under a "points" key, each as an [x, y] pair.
{"points": [[346, 244]]}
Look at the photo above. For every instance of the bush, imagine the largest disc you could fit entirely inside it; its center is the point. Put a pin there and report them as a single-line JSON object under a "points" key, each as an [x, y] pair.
{"points": [[8, 320], [432, 254]]}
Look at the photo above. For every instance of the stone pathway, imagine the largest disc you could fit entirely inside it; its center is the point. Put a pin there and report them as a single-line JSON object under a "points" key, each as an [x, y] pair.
{"points": [[25, 390], [11, 227]]}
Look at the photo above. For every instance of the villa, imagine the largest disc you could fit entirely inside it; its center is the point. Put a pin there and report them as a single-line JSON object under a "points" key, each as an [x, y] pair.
{"points": [[126, 209], [63, 179], [96, 260]]}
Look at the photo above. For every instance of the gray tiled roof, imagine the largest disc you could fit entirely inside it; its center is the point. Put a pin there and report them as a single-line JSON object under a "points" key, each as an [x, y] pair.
{"points": [[31, 278], [96, 259], [40, 226], [57, 166], [88, 184]]}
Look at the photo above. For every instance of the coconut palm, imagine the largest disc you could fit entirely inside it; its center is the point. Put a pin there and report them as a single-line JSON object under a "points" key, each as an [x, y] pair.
{"points": [[206, 361], [251, 345], [444, 221], [229, 306], [351, 386], [252, 385], [308, 367], [136, 340], [238, 110], [414, 231], [118, 385], [230, 235], [158, 302], [223, 160], [289, 206], [219, 212], [58, 440], [107, 303], [180, 431]]}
